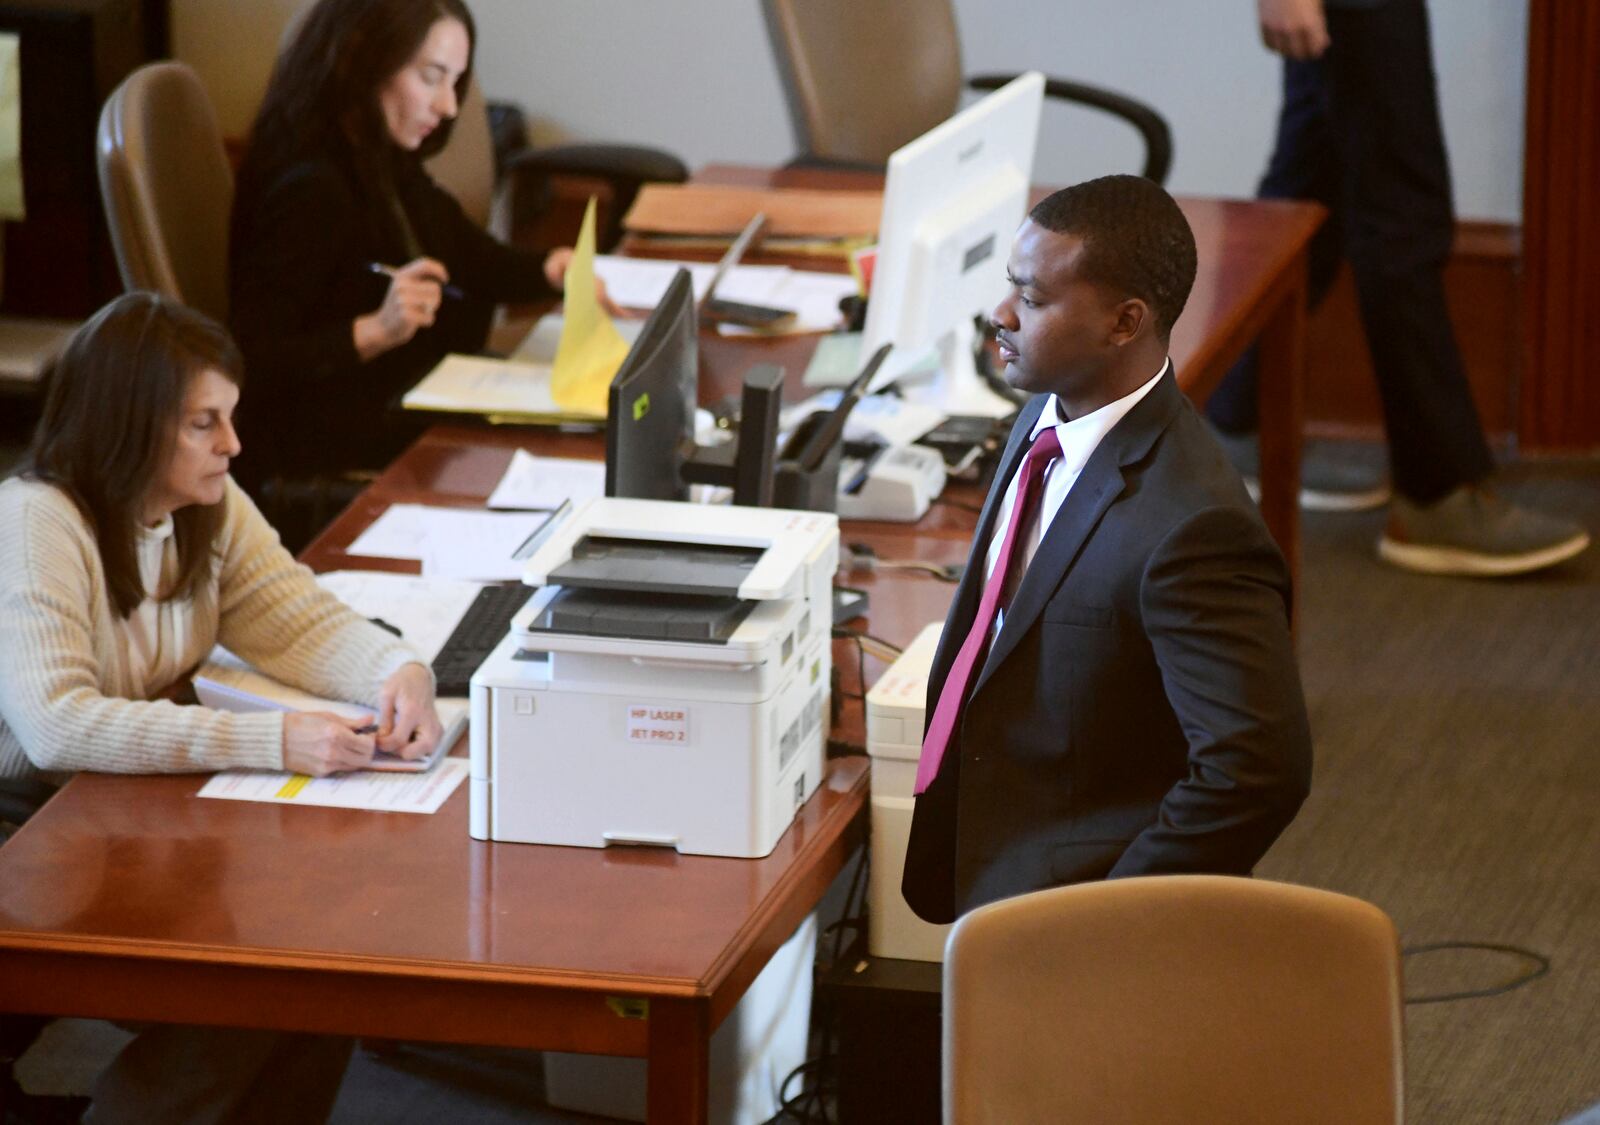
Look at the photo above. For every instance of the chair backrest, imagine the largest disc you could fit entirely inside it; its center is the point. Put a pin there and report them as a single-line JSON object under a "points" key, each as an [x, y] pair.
{"points": [[865, 78], [1202, 999], [167, 187], [465, 166]]}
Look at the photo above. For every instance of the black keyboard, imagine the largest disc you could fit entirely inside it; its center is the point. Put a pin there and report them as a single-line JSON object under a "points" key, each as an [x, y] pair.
{"points": [[480, 629]]}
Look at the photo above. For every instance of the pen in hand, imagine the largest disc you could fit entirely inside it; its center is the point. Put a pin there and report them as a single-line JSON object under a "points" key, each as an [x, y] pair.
{"points": [[454, 292]]}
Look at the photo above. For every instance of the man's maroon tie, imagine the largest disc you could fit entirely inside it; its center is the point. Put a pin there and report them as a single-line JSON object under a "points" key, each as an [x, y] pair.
{"points": [[1045, 449]]}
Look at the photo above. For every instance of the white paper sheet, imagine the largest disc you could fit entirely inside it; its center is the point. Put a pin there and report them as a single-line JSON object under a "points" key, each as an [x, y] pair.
{"points": [[425, 610], [385, 792], [545, 482], [451, 542], [812, 295], [640, 283], [882, 417]]}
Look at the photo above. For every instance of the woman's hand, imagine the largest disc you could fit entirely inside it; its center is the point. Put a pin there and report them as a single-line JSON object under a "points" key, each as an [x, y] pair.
{"points": [[408, 724], [319, 743], [555, 272], [415, 290]]}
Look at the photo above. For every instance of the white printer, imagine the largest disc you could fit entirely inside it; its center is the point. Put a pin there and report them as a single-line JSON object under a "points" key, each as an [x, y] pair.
{"points": [[668, 683], [895, 709]]}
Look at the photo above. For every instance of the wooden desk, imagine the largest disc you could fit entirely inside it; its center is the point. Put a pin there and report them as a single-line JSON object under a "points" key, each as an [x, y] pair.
{"points": [[130, 898]]}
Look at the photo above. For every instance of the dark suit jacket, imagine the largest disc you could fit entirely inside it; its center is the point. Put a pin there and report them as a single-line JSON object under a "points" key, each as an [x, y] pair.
{"points": [[1140, 710]]}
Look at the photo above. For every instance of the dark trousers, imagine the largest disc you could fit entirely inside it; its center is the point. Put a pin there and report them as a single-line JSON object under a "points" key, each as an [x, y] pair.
{"points": [[1359, 132]]}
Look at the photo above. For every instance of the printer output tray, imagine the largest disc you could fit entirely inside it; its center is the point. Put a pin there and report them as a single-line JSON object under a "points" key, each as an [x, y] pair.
{"points": [[601, 562], [640, 615]]}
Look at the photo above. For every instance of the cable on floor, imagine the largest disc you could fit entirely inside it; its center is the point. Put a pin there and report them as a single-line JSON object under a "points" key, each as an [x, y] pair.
{"points": [[1539, 966]]}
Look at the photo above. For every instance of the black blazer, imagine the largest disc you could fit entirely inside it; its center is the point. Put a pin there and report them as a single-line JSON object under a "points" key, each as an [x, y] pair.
{"points": [[1140, 711], [298, 277]]}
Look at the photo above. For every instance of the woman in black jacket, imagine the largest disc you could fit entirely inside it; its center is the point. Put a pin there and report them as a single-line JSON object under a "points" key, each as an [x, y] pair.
{"points": [[352, 273]]}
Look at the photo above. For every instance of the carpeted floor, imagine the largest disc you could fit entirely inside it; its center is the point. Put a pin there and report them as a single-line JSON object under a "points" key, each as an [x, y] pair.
{"points": [[1457, 728]]}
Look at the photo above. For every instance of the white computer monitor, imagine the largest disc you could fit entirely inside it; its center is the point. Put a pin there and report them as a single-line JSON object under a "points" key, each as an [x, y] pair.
{"points": [[951, 205]]}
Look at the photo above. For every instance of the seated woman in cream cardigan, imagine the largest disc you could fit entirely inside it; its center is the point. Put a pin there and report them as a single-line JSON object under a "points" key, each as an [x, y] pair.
{"points": [[126, 553]]}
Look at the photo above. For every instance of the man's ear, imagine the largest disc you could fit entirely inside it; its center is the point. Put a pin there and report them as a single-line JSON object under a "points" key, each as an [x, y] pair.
{"points": [[1133, 318]]}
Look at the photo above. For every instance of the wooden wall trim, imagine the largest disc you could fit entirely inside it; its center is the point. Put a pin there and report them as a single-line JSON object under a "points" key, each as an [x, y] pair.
{"points": [[1559, 403], [1482, 284]]}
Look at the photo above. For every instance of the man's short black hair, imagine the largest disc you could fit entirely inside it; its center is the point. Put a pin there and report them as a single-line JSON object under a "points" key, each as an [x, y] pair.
{"points": [[1135, 240]]}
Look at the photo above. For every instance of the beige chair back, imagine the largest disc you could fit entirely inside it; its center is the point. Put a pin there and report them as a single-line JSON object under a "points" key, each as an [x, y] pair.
{"points": [[1203, 999], [167, 187], [865, 77], [465, 166]]}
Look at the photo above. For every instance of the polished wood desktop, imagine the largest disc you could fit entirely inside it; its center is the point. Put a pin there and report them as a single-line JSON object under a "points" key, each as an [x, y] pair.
{"points": [[130, 898]]}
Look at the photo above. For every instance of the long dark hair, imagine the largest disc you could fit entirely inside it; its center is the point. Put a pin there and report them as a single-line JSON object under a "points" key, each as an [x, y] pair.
{"points": [[322, 99], [116, 394]]}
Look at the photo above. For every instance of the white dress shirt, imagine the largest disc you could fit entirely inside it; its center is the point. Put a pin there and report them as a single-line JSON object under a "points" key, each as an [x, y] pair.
{"points": [[1079, 438]]}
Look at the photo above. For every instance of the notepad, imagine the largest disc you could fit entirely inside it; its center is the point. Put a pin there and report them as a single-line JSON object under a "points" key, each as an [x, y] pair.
{"points": [[227, 683], [514, 390]]}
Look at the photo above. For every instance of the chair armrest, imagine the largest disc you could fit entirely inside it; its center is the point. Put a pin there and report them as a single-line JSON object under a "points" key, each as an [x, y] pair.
{"points": [[612, 162], [1151, 125], [626, 168]]}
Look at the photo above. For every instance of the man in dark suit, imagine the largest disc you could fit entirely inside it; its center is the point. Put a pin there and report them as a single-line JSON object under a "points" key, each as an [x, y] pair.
{"points": [[1115, 692]]}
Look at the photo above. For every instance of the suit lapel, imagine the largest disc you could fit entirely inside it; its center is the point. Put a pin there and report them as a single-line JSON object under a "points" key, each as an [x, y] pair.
{"points": [[1100, 483]]}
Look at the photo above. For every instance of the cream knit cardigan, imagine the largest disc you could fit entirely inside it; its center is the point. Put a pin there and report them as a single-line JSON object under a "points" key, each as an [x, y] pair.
{"points": [[68, 698]]}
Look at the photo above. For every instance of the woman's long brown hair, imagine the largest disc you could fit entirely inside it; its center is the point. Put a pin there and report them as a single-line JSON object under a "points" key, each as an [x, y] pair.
{"points": [[111, 413]]}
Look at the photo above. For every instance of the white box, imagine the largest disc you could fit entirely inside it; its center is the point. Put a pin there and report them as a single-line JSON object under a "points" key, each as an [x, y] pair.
{"points": [[752, 1052], [895, 707]]}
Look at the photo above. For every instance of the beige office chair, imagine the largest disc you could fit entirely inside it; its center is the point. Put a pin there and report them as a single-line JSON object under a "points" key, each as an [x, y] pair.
{"points": [[167, 187], [1194, 998], [862, 79]]}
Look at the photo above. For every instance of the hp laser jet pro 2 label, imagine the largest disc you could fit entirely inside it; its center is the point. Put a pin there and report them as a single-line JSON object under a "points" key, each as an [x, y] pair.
{"points": [[658, 724]]}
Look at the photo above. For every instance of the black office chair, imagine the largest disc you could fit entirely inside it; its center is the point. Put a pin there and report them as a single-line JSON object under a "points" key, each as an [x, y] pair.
{"points": [[863, 79], [499, 180]]}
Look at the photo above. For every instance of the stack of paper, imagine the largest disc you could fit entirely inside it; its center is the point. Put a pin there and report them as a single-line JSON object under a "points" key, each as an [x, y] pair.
{"points": [[793, 214], [814, 296], [545, 483], [454, 542], [425, 611]]}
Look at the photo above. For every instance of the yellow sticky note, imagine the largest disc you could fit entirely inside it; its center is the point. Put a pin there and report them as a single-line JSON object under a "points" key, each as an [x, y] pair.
{"points": [[591, 348]]}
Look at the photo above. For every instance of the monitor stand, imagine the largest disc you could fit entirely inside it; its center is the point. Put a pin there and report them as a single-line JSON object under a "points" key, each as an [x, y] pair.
{"points": [[955, 387]]}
